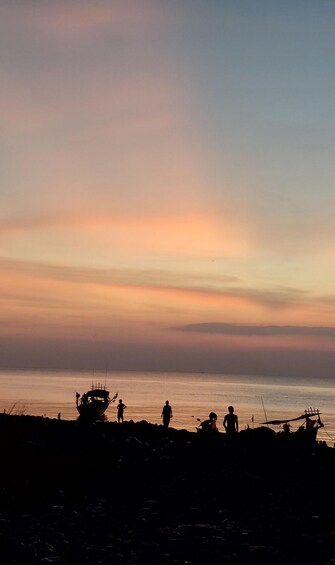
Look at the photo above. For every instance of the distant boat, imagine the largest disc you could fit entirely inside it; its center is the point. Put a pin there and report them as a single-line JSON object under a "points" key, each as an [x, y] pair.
{"points": [[93, 404]]}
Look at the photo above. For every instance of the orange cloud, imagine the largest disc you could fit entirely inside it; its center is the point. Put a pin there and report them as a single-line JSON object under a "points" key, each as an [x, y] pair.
{"points": [[189, 235], [178, 235], [155, 296]]}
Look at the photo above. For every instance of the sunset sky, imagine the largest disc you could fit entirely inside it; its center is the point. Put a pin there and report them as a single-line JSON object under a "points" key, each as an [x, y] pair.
{"points": [[168, 185]]}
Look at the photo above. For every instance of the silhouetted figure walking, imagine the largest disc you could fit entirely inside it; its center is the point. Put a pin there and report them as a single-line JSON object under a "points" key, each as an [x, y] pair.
{"points": [[120, 408], [166, 414], [230, 422]]}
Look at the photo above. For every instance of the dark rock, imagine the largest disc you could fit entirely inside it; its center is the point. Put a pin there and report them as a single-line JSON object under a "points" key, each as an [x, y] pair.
{"points": [[140, 494]]}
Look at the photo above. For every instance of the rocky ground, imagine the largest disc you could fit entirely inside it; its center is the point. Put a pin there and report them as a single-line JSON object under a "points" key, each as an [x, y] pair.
{"points": [[136, 493]]}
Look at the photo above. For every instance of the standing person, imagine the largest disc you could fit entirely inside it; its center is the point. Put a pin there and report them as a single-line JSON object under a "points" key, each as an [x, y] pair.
{"points": [[120, 409], [166, 414], [230, 422]]}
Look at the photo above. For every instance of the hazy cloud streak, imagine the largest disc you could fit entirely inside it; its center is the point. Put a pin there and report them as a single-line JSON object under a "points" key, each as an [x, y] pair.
{"points": [[259, 330], [159, 280]]}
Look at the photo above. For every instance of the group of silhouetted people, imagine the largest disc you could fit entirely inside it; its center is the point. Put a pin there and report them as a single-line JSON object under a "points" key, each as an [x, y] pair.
{"points": [[230, 421], [166, 413]]}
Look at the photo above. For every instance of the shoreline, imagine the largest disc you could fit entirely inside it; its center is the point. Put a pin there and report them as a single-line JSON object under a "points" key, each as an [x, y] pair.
{"points": [[140, 494]]}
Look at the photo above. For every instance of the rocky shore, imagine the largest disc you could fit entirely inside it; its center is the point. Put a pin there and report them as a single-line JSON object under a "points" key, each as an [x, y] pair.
{"points": [[136, 493]]}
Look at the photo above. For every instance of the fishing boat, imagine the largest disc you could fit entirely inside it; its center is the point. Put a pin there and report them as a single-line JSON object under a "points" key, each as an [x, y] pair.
{"points": [[311, 423], [94, 403]]}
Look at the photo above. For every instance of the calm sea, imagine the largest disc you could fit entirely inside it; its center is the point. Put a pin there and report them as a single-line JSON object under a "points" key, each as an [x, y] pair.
{"points": [[191, 396]]}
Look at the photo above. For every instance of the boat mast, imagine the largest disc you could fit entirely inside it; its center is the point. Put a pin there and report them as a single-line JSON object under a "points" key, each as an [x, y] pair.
{"points": [[266, 418]]}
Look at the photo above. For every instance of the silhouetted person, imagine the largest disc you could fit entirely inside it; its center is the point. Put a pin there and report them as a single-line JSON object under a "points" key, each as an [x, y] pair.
{"points": [[210, 424], [120, 409], [286, 428], [230, 422], [166, 414]]}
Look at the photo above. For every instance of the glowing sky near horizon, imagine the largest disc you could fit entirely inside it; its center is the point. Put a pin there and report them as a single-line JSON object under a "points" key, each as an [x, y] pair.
{"points": [[167, 185]]}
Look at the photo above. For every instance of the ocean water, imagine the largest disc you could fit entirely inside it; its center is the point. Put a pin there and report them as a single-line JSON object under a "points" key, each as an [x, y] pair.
{"points": [[192, 396]]}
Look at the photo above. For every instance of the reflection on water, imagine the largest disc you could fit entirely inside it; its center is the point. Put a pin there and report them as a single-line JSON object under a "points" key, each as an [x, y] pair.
{"points": [[192, 396]]}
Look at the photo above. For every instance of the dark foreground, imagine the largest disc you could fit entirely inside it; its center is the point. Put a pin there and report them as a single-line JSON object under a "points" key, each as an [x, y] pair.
{"points": [[137, 494]]}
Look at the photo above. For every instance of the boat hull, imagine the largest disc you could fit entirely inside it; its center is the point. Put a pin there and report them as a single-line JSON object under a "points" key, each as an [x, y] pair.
{"points": [[92, 411], [94, 403]]}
